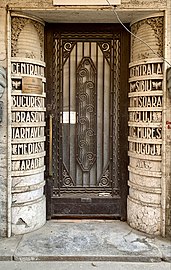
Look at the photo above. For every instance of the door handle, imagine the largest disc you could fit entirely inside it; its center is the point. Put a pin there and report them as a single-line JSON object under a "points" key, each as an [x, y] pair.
{"points": [[50, 144]]}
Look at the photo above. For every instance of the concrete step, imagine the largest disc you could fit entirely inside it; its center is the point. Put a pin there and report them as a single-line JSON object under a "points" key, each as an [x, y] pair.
{"points": [[86, 240]]}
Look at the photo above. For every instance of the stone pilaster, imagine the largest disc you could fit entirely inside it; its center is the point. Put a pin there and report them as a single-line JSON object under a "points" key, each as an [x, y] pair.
{"points": [[3, 125]]}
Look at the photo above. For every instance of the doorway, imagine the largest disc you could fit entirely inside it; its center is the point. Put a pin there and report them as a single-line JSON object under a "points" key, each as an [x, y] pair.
{"points": [[87, 86]]}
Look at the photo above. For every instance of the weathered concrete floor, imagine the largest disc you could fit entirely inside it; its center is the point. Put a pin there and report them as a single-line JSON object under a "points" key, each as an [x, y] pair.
{"points": [[42, 265], [86, 240]]}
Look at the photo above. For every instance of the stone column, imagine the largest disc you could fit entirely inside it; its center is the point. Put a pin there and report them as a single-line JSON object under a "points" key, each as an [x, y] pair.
{"points": [[27, 124], [145, 126]]}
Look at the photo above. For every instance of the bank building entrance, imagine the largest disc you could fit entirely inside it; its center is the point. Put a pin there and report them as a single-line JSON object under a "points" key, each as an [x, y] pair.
{"points": [[86, 120], [77, 95]]}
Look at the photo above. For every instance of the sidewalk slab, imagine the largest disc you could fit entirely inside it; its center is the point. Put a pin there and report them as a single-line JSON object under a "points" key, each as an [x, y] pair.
{"points": [[165, 247], [8, 247], [90, 265], [87, 240]]}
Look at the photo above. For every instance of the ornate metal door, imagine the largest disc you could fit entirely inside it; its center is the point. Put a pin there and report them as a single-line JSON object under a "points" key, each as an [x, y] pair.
{"points": [[84, 121]]}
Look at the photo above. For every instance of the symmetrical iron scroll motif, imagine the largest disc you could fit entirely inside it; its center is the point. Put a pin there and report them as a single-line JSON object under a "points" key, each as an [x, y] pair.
{"points": [[67, 48], [106, 49], [86, 121], [105, 178], [67, 180]]}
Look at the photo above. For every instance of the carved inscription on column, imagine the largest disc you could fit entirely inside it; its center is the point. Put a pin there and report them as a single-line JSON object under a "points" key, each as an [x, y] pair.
{"points": [[145, 110], [27, 117], [28, 121], [145, 125], [26, 68], [145, 140]]}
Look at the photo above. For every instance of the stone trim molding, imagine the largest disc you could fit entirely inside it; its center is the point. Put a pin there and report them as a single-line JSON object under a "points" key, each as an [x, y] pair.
{"points": [[18, 23], [156, 25], [2, 80]]}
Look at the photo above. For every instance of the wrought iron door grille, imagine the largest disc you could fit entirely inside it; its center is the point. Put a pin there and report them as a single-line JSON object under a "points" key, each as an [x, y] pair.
{"points": [[86, 86]]}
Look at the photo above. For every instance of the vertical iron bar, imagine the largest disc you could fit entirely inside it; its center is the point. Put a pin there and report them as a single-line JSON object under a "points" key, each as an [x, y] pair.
{"points": [[50, 145], [61, 112], [76, 108], [111, 114], [103, 109], [115, 113], [69, 97], [96, 110], [81, 110], [55, 52], [82, 49], [113, 117], [89, 180], [90, 49]]}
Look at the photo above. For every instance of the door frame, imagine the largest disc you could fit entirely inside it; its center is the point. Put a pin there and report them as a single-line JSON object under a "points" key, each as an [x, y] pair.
{"points": [[123, 119]]}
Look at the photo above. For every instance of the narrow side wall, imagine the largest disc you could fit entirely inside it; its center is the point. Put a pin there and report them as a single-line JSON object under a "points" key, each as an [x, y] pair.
{"points": [[3, 123], [168, 120]]}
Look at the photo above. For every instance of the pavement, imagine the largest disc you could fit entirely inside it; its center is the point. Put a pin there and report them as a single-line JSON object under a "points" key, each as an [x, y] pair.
{"points": [[85, 244], [83, 266]]}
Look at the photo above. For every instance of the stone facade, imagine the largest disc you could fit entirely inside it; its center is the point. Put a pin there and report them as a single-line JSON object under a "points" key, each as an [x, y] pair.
{"points": [[3, 126], [22, 203]]}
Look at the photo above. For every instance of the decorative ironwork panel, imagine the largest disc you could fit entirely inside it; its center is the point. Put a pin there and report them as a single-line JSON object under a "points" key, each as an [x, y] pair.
{"points": [[86, 85], [86, 114]]}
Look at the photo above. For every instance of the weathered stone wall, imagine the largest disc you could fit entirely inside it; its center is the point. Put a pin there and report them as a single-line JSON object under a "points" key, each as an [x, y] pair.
{"points": [[168, 161], [3, 124], [168, 125]]}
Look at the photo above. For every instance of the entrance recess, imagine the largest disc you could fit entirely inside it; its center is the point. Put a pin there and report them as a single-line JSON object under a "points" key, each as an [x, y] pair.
{"points": [[86, 120]]}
